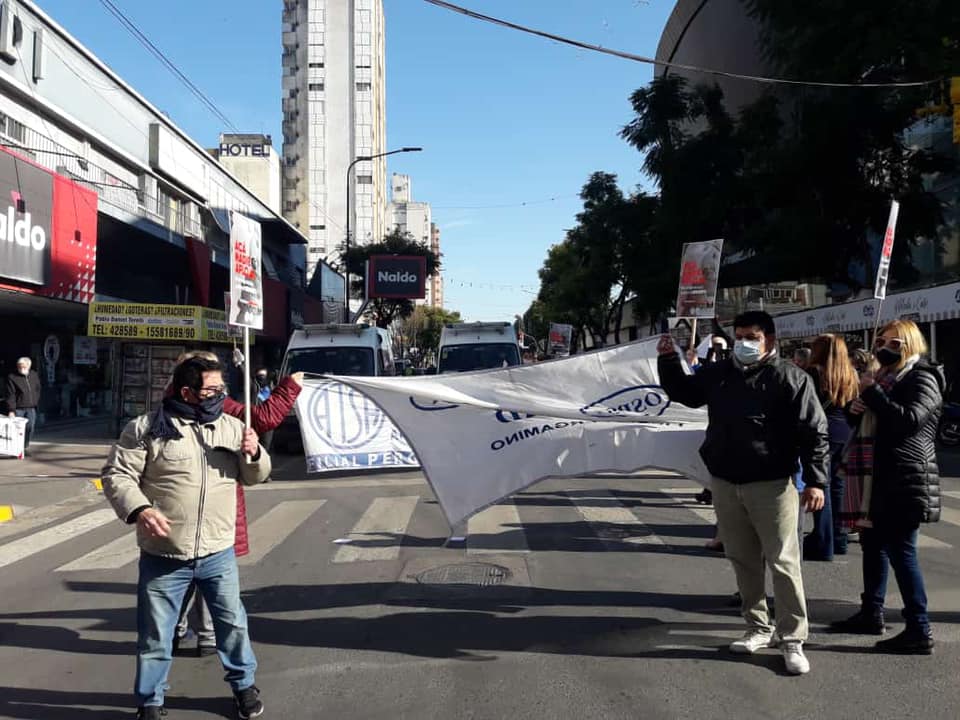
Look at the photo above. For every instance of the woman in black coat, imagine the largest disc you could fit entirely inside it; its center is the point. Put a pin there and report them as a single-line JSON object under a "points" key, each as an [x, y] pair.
{"points": [[904, 399]]}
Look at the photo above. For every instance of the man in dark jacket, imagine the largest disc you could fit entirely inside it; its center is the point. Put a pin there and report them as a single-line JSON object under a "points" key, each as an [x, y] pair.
{"points": [[23, 395], [763, 416]]}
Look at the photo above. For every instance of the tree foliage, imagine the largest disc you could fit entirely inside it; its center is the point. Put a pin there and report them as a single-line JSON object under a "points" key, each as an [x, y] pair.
{"points": [[384, 311], [800, 180], [421, 330]]}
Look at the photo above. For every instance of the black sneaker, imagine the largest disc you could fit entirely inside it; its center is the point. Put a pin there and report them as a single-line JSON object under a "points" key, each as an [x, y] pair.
{"points": [[151, 712], [248, 702], [861, 623], [910, 642]]}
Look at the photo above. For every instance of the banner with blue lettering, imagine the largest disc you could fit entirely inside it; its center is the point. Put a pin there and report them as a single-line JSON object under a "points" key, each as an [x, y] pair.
{"points": [[483, 436], [343, 429]]}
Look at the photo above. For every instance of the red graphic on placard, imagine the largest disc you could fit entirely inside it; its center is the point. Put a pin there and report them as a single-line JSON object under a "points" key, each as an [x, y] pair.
{"points": [[888, 243], [692, 274]]}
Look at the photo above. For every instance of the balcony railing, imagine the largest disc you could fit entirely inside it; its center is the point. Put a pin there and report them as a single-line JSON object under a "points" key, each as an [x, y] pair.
{"points": [[171, 212]]}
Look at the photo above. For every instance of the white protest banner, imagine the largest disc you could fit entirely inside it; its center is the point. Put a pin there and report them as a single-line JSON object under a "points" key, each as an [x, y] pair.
{"points": [[699, 272], [561, 337], [485, 435], [246, 288], [342, 428], [886, 252]]}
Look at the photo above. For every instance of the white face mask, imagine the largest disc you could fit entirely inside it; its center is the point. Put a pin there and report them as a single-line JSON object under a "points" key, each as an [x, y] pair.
{"points": [[748, 352], [23, 370]]}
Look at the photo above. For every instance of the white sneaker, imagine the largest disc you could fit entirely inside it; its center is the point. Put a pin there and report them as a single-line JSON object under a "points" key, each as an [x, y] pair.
{"points": [[796, 661], [752, 641]]}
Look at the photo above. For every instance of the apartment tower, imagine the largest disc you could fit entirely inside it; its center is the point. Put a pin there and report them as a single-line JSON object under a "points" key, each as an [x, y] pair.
{"points": [[334, 111]]}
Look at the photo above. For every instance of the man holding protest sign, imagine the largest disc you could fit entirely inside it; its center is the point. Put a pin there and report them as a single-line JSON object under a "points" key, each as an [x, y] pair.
{"points": [[763, 415]]}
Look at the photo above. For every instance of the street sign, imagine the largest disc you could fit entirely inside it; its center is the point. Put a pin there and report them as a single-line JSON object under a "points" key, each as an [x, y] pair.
{"points": [[397, 276]]}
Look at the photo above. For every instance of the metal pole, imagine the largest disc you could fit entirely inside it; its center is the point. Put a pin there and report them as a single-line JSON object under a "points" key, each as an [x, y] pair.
{"points": [[346, 250], [933, 341], [246, 380]]}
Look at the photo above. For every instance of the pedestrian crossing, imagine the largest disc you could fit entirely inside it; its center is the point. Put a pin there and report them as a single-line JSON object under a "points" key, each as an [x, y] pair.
{"points": [[380, 526]]}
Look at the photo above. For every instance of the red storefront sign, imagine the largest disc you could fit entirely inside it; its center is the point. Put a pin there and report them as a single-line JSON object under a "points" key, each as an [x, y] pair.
{"points": [[49, 238]]}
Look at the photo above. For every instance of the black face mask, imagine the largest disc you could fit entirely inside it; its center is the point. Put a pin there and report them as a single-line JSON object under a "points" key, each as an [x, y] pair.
{"points": [[261, 380], [887, 357]]}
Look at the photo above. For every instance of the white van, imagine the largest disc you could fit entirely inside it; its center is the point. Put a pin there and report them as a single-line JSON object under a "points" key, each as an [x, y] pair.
{"points": [[334, 349], [477, 346], [339, 349]]}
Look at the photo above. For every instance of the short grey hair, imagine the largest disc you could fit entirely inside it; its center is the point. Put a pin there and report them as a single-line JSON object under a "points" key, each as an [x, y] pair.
{"points": [[25, 361]]}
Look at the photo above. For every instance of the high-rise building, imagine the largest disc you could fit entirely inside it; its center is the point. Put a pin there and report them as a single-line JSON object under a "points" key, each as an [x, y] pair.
{"points": [[334, 111], [415, 220], [435, 288]]}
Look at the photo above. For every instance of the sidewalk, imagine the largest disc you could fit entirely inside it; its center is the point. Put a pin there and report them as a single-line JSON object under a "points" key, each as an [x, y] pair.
{"points": [[61, 463]]}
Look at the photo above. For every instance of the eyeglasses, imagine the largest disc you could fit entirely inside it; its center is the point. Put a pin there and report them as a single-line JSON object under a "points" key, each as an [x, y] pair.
{"points": [[892, 343], [212, 391]]}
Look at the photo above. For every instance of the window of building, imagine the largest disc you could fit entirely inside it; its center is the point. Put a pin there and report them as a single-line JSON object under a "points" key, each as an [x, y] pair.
{"points": [[315, 87], [318, 227], [364, 179], [315, 64], [13, 129], [361, 86]]}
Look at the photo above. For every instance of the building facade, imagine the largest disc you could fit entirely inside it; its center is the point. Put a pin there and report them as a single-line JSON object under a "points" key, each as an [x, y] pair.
{"points": [[251, 158], [334, 111], [121, 226], [415, 220], [435, 287]]}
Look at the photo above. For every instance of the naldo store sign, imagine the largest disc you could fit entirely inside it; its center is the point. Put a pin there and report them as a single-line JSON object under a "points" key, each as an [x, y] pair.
{"points": [[397, 277]]}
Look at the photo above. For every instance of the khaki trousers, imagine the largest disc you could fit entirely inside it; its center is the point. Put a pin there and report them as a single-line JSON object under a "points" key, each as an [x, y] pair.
{"points": [[758, 525]]}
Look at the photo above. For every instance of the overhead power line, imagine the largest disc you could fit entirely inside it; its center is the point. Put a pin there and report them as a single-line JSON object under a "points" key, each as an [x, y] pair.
{"points": [[665, 63], [140, 37], [525, 203]]}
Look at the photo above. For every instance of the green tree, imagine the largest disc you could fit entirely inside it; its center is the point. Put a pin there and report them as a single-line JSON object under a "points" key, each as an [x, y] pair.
{"points": [[383, 311]]}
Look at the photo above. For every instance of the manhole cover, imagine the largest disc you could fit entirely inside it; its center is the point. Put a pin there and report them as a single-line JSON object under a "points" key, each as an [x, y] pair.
{"points": [[476, 574]]}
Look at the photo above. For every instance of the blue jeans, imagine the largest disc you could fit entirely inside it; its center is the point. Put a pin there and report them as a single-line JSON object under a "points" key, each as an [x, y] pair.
{"points": [[897, 546], [31, 415], [160, 590]]}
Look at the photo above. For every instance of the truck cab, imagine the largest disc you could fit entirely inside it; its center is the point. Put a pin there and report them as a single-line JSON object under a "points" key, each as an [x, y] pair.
{"points": [[465, 347]]}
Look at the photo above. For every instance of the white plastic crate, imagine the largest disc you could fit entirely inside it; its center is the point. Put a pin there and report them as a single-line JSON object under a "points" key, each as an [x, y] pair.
{"points": [[12, 434]]}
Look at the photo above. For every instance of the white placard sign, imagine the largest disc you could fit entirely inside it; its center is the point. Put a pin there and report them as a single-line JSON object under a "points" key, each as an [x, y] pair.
{"points": [[84, 350], [246, 284], [483, 436]]}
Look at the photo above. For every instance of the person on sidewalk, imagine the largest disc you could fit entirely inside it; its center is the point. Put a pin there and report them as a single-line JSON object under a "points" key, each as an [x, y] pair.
{"points": [[23, 396], [265, 417], [899, 410], [837, 386], [173, 474], [763, 414]]}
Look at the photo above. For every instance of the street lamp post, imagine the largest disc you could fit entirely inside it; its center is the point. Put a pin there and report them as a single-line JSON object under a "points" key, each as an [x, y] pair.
{"points": [[346, 245]]}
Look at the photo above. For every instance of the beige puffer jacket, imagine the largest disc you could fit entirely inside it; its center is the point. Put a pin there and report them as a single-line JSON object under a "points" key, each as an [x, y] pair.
{"points": [[191, 480]]}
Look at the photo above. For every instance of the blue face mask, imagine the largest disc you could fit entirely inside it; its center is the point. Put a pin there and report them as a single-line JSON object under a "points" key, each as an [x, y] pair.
{"points": [[747, 351]]}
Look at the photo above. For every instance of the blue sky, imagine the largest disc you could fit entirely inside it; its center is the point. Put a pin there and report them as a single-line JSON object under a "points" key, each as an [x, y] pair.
{"points": [[504, 118]]}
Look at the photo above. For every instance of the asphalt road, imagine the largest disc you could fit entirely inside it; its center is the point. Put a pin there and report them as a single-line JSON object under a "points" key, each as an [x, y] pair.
{"points": [[599, 601]]}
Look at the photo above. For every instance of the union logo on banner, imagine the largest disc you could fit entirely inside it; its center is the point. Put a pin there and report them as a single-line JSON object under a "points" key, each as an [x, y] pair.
{"points": [[343, 417]]}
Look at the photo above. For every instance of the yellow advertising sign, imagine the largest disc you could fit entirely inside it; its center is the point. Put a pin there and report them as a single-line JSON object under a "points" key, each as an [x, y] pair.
{"points": [[147, 321]]}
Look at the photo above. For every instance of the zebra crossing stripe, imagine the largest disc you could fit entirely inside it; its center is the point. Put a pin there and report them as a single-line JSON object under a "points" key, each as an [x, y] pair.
{"points": [[955, 494], [111, 556], [379, 532], [604, 509], [496, 530], [37, 542], [275, 526], [685, 496]]}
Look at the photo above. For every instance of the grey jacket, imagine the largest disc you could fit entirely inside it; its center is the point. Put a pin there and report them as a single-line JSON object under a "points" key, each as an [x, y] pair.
{"points": [[191, 480]]}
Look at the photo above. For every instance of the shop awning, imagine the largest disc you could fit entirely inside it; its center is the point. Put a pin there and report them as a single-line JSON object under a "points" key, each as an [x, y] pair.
{"points": [[932, 304]]}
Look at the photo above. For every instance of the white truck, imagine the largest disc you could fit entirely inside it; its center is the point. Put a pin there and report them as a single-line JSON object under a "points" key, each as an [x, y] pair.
{"points": [[333, 349], [477, 346]]}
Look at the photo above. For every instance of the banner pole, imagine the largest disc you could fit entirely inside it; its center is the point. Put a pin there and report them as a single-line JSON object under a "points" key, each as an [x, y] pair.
{"points": [[246, 381], [693, 333]]}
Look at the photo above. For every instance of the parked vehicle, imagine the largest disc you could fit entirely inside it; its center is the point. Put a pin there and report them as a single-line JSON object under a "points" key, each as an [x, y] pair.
{"points": [[335, 349], [477, 346]]}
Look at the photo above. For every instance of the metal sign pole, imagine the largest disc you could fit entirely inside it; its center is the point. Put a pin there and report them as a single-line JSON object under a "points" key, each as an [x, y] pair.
{"points": [[246, 381]]}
